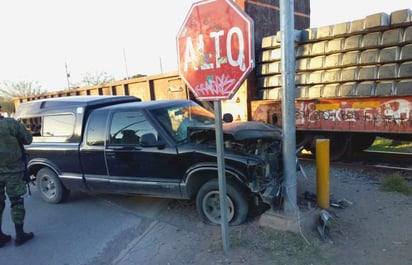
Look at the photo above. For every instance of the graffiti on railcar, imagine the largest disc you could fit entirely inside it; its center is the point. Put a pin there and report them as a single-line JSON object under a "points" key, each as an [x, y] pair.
{"points": [[372, 114]]}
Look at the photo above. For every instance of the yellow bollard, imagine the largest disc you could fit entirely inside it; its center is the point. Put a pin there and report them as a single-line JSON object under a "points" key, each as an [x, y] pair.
{"points": [[322, 172]]}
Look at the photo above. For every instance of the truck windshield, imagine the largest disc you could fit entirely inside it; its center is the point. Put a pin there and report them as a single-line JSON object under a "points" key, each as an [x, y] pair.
{"points": [[178, 118]]}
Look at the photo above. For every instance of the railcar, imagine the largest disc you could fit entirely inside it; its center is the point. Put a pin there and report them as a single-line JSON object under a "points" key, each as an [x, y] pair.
{"points": [[353, 83]]}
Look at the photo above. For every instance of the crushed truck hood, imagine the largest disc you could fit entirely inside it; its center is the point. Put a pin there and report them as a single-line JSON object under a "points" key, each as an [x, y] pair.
{"points": [[252, 130], [236, 131]]}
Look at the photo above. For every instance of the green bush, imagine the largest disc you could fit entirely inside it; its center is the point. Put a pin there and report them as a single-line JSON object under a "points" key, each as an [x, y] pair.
{"points": [[396, 183]]}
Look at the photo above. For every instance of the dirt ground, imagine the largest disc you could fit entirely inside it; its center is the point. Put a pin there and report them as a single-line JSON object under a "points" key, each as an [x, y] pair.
{"points": [[375, 229]]}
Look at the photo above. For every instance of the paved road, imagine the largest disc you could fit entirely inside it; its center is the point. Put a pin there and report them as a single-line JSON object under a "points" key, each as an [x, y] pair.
{"points": [[100, 229]]}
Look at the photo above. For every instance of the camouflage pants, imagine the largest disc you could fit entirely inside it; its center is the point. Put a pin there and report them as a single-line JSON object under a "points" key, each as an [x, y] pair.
{"points": [[13, 185]]}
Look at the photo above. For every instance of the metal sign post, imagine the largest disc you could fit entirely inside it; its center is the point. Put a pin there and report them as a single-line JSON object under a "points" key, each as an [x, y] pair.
{"points": [[216, 52], [221, 174]]}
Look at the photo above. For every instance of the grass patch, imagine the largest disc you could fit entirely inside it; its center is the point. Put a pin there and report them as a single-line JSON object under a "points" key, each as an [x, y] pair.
{"points": [[290, 248], [284, 247], [396, 183], [383, 144]]}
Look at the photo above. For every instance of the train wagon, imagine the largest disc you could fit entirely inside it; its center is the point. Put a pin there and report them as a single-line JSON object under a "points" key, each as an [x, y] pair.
{"points": [[353, 83]]}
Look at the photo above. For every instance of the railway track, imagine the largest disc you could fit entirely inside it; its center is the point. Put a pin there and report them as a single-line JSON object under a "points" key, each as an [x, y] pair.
{"points": [[373, 160], [381, 159]]}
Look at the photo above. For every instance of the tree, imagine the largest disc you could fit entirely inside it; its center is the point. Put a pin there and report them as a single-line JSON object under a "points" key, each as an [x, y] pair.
{"points": [[95, 79], [137, 76], [6, 106], [9, 90]]}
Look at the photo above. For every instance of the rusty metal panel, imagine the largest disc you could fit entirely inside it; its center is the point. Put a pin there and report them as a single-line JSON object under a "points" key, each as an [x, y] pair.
{"points": [[172, 87], [104, 91], [94, 91], [117, 90], [82, 92], [262, 110], [71, 93], [140, 89]]}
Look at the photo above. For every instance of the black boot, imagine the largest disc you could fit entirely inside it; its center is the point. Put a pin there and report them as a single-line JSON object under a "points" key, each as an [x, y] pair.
{"points": [[21, 236], [4, 239]]}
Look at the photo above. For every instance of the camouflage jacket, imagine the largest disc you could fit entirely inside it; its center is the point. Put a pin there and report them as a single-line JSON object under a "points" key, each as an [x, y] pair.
{"points": [[12, 134]]}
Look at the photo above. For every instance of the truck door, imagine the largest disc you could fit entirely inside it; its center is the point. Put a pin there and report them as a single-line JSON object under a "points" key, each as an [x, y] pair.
{"points": [[91, 152], [134, 168]]}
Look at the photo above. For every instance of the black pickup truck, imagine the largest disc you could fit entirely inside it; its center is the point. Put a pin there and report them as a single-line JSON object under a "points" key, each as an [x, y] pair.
{"points": [[163, 148]]}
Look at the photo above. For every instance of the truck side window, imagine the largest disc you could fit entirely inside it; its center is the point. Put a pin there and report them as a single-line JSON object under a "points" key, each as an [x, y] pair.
{"points": [[128, 126], [96, 129]]}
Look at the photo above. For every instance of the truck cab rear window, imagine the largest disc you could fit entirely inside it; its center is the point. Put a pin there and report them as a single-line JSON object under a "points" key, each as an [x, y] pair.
{"points": [[58, 125]]}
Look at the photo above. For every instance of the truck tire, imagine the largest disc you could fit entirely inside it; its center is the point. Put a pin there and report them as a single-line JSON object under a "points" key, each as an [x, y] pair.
{"points": [[50, 187], [208, 203]]}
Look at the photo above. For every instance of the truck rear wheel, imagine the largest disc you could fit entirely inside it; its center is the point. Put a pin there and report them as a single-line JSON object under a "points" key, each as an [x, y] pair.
{"points": [[50, 187], [208, 203]]}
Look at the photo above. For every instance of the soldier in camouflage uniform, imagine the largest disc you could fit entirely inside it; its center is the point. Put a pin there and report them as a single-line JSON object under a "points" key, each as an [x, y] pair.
{"points": [[13, 135]]}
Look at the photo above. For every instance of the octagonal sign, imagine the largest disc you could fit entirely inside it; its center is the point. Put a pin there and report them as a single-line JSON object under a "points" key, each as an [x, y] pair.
{"points": [[215, 48]]}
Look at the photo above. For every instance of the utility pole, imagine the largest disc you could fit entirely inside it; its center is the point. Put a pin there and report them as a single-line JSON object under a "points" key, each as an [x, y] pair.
{"points": [[287, 27], [161, 65], [67, 76], [125, 63]]}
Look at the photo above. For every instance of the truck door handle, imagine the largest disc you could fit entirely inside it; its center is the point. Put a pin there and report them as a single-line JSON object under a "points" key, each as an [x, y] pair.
{"points": [[124, 148]]}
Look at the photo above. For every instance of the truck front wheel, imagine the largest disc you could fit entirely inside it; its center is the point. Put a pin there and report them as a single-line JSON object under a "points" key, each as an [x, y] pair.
{"points": [[50, 187], [208, 203]]}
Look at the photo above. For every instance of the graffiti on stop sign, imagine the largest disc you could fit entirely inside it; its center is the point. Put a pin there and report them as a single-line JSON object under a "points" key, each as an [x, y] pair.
{"points": [[203, 59], [215, 47]]}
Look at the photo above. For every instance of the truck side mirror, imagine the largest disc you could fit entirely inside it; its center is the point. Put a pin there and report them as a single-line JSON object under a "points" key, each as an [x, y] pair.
{"points": [[227, 117]]}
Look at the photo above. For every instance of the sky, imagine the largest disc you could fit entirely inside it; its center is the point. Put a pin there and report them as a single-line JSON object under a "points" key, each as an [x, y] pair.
{"points": [[41, 39]]}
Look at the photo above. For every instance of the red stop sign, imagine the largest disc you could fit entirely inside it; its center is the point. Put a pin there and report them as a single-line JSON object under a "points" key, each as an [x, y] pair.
{"points": [[215, 48]]}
